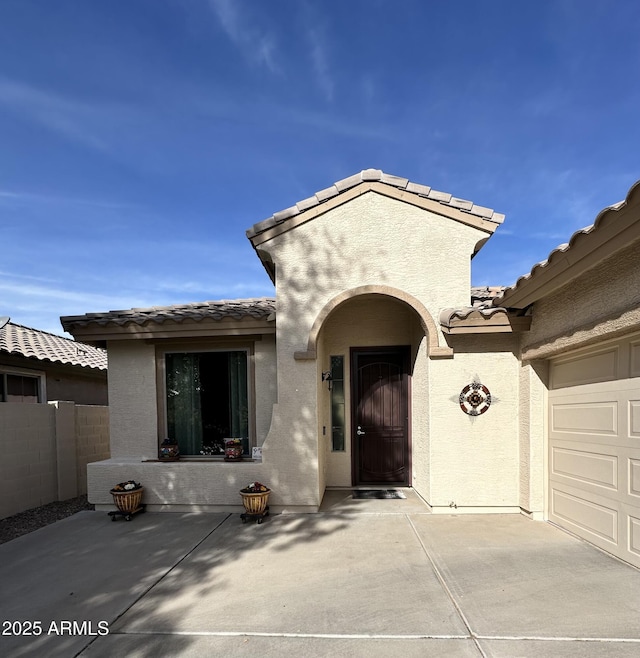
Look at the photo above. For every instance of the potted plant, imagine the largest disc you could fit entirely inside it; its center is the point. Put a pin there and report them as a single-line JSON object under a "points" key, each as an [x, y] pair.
{"points": [[233, 450], [255, 497], [127, 496], [169, 451]]}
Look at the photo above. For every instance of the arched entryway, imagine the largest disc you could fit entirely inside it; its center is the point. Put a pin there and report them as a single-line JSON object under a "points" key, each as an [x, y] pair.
{"points": [[373, 420]]}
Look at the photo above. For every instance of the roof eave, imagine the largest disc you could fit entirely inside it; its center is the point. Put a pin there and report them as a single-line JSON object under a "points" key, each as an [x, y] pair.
{"points": [[483, 321], [615, 228], [275, 228], [94, 333]]}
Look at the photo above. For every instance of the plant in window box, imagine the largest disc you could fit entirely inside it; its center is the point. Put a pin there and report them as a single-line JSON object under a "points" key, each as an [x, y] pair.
{"points": [[127, 496], [233, 450], [169, 451], [210, 451]]}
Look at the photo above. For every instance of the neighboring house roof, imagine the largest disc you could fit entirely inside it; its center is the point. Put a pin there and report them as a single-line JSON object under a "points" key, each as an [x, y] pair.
{"points": [[237, 309], [41, 345], [482, 295], [615, 228], [482, 316]]}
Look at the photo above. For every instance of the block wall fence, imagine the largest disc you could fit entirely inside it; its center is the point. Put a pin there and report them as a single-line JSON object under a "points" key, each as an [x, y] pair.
{"points": [[45, 450]]}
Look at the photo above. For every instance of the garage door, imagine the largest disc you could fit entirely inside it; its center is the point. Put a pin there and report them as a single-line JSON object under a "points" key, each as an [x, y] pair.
{"points": [[594, 447]]}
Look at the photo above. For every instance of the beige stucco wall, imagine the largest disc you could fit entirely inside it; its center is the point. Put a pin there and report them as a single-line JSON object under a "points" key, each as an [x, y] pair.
{"points": [[604, 302], [265, 384], [374, 240], [371, 240], [475, 460], [132, 399], [533, 382]]}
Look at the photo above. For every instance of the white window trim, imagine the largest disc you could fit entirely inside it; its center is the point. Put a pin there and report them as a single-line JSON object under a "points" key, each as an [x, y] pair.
{"points": [[40, 375]]}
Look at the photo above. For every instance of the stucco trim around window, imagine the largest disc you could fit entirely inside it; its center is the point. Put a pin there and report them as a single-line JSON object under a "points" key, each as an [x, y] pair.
{"points": [[427, 322], [197, 347]]}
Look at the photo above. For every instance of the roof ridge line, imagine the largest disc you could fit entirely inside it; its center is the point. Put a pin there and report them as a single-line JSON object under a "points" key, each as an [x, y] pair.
{"points": [[42, 331], [371, 176]]}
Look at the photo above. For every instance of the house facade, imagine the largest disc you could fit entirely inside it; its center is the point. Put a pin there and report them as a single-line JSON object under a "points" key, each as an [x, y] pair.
{"points": [[377, 365]]}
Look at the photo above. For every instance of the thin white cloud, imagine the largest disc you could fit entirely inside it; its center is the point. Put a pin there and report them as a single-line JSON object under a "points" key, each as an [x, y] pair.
{"points": [[320, 60], [255, 44], [28, 277], [51, 293], [46, 199], [56, 113]]}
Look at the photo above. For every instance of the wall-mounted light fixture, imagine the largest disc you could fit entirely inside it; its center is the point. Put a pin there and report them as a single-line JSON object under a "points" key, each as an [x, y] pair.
{"points": [[326, 377]]}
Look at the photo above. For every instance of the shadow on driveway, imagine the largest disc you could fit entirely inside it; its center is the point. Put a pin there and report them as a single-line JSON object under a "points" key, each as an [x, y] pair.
{"points": [[338, 583]]}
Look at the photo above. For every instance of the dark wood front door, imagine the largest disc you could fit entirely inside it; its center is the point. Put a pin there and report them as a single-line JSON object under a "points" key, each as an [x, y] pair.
{"points": [[380, 416]]}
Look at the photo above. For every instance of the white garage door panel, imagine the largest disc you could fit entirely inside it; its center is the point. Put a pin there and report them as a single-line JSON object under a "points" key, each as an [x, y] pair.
{"points": [[634, 477], [598, 367], [634, 419], [586, 418], [598, 469], [634, 536], [635, 360], [594, 463], [597, 520]]}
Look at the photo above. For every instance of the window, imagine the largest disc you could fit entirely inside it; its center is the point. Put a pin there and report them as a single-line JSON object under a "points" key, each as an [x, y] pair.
{"points": [[337, 404], [207, 400], [17, 386]]}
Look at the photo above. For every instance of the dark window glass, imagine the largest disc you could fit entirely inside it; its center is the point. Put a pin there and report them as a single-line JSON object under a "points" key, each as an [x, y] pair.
{"points": [[207, 400], [20, 388], [337, 404]]}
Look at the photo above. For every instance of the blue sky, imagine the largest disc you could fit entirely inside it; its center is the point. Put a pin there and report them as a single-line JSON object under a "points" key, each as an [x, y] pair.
{"points": [[139, 139]]}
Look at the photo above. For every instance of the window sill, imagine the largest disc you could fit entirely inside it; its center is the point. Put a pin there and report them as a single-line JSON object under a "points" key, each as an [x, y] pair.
{"points": [[201, 460]]}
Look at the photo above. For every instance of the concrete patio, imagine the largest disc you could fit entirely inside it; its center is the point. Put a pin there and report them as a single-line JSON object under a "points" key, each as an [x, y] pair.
{"points": [[380, 578]]}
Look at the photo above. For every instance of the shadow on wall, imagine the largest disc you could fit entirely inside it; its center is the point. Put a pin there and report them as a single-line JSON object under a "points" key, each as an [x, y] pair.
{"points": [[294, 447]]}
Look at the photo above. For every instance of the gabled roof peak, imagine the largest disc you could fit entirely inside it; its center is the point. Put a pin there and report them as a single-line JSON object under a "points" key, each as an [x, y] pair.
{"points": [[376, 176]]}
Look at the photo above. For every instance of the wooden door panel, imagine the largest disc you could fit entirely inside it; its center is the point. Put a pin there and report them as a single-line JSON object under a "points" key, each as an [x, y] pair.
{"points": [[380, 416]]}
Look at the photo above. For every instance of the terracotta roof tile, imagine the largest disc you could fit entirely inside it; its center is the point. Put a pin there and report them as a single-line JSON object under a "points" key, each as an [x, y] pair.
{"points": [[259, 308], [41, 345], [559, 253], [388, 179], [484, 295]]}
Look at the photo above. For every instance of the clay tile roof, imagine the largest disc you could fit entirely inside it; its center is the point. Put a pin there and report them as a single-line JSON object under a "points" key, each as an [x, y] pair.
{"points": [[447, 315], [559, 254], [374, 175], [484, 295], [258, 308], [41, 345]]}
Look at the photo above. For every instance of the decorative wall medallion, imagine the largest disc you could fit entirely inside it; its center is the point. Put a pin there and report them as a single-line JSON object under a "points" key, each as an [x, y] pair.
{"points": [[475, 399]]}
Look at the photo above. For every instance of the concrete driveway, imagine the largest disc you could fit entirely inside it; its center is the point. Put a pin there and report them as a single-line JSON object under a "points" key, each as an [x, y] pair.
{"points": [[381, 579]]}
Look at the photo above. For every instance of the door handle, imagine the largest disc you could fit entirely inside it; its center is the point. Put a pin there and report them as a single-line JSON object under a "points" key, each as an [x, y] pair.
{"points": [[359, 431]]}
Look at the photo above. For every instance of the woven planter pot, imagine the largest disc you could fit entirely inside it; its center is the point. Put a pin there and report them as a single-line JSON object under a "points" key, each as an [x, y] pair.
{"points": [[255, 503], [127, 501]]}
